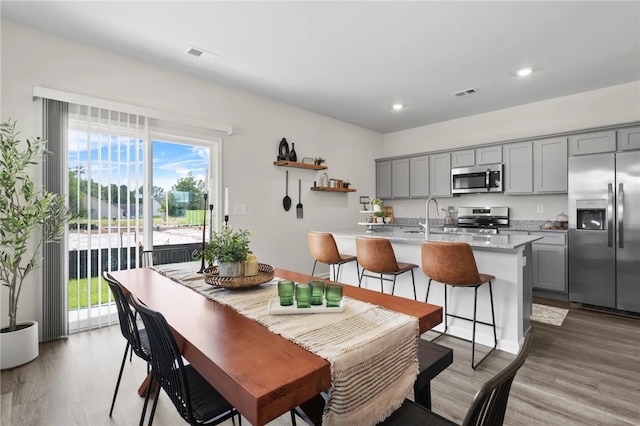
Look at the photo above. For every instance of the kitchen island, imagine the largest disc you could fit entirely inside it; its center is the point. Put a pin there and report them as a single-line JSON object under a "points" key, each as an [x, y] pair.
{"points": [[507, 257]]}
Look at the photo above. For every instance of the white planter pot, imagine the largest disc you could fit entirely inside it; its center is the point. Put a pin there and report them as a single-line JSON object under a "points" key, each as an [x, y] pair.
{"points": [[229, 269], [377, 207], [20, 346]]}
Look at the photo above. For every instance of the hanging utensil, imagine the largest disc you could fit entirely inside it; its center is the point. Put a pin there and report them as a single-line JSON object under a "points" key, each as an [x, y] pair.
{"points": [[286, 201], [299, 205]]}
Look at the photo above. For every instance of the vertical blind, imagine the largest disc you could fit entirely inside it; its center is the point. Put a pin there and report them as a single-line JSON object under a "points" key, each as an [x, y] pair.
{"points": [[106, 161]]}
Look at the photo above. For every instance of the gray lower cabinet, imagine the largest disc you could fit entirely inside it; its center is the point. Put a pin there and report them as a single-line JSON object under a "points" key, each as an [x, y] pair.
{"points": [[383, 179], [518, 168], [419, 176], [440, 175], [549, 257], [550, 165], [400, 178]]}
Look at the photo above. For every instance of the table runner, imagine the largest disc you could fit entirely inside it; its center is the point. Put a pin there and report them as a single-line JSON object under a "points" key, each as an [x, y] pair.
{"points": [[372, 351]]}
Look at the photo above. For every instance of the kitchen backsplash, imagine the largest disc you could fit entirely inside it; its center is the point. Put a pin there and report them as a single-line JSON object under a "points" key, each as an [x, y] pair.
{"points": [[514, 225]]}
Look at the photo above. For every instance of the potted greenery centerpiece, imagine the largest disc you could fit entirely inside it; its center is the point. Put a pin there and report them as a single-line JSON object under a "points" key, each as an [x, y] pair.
{"points": [[29, 217], [318, 161], [377, 204], [230, 248]]}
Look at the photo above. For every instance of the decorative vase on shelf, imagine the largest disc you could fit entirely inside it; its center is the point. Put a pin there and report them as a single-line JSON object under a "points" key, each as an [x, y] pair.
{"points": [[292, 154], [283, 150]]}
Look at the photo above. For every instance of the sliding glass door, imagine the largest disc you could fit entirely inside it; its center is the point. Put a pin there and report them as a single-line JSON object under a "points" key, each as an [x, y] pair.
{"points": [[132, 190]]}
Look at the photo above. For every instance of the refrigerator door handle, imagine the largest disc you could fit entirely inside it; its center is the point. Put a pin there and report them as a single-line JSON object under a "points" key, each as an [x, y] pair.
{"points": [[610, 215], [620, 215]]}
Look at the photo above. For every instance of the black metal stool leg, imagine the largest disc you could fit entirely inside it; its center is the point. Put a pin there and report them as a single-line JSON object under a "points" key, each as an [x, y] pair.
{"points": [[313, 271], [358, 273], [413, 280]]}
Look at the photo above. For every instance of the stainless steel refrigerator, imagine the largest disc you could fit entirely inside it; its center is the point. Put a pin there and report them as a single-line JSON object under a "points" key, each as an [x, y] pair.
{"points": [[604, 230]]}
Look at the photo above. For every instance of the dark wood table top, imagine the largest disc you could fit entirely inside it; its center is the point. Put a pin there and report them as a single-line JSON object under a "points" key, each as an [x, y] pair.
{"points": [[260, 373]]}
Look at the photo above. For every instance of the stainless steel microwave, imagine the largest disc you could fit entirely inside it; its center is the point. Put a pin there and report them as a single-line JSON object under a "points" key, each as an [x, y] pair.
{"points": [[466, 180]]}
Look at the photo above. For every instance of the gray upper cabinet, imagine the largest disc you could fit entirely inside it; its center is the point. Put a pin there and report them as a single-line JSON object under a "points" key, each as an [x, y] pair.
{"points": [[629, 139], [518, 168], [383, 179], [489, 155], [550, 165], [464, 158], [592, 143], [400, 178], [440, 175], [419, 176]]}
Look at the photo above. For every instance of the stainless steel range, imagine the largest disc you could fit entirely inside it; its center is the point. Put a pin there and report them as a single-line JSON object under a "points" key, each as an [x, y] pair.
{"points": [[480, 220]]}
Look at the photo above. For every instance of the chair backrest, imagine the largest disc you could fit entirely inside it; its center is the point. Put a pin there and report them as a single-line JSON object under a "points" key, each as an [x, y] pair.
{"points": [[376, 254], [323, 247], [128, 325], [167, 366], [164, 256], [490, 403], [450, 263]]}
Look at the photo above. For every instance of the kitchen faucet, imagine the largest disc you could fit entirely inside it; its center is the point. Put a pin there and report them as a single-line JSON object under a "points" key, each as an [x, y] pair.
{"points": [[426, 225]]}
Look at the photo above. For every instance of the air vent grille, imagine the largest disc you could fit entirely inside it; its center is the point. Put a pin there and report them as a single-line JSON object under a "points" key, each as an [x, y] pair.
{"points": [[465, 92], [194, 52]]}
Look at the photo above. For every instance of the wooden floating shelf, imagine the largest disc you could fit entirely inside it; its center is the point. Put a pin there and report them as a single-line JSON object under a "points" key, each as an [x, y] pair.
{"points": [[326, 188], [298, 165]]}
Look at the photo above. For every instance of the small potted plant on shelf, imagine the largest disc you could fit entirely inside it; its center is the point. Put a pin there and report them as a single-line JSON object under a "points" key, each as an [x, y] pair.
{"points": [[230, 248], [377, 204], [379, 216], [318, 161]]}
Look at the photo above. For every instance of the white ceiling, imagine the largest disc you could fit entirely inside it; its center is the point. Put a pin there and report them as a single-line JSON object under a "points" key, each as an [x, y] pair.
{"points": [[353, 60]]}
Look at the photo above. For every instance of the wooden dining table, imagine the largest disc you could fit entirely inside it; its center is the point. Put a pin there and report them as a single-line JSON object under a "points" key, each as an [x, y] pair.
{"points": [[262, 374]]}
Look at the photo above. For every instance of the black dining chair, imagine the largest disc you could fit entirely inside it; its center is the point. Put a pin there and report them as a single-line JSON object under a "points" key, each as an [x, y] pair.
{"points": [[487, 409], [136, 338], [194, 398]]}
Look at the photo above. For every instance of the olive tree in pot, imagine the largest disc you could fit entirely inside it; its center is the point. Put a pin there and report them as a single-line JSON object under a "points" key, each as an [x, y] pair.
{"points": [[29, 217], [230, 248]]}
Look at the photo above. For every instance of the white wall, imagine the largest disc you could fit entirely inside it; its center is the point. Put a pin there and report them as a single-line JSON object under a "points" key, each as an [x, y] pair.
{"points": [[34, 58], [609, 106]]}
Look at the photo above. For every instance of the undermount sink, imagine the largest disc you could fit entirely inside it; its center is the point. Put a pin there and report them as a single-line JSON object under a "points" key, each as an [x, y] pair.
{"points": [[413, 232]]}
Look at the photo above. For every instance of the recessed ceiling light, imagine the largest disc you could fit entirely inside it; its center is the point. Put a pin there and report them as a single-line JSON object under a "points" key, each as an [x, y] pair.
{"points": [[397, 107], [524, 72]]}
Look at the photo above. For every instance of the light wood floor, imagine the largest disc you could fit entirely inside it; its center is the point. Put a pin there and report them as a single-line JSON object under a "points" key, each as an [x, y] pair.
{"points": [[586, 372]]}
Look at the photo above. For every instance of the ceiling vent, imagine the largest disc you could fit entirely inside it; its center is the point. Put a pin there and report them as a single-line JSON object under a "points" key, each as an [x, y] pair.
{"points": [[202, 54], [465, 92]]}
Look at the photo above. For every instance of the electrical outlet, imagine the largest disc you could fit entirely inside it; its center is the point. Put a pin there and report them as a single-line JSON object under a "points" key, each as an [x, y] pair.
{"points": [[239, 209], [540, 208], [398, 211]]}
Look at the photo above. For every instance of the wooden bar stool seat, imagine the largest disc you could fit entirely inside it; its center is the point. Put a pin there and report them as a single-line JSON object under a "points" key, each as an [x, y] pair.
{"points": [[376, 255], [453, 264], [323, 249]]}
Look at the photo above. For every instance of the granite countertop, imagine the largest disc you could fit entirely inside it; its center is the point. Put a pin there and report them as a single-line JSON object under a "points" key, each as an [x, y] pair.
{"points": [[396, 234], [515, 225]]}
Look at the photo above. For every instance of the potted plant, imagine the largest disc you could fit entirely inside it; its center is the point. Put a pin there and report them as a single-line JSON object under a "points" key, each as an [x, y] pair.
{"points": [[29, 217], [379, 216], [377, 204], [230, 248], [318, 161]]}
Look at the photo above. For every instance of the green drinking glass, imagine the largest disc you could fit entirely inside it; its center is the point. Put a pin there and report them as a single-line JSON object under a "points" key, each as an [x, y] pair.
{"points": [[317, 292], [303, 295], [333, 295], [285, 291]]}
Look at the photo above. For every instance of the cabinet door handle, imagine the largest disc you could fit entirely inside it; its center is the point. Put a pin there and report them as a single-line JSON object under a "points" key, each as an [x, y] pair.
{"points": [[620, 216]]}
